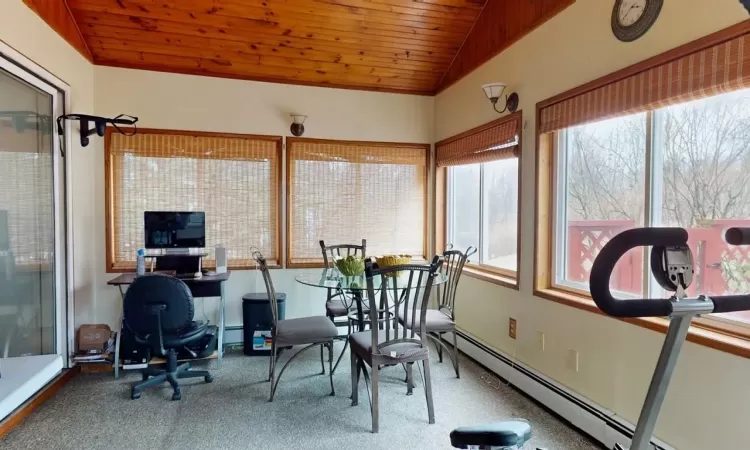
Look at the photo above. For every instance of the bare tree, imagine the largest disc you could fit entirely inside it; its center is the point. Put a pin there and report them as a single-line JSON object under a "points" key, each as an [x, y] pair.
{"points": [[706, 162], [606, 170]]}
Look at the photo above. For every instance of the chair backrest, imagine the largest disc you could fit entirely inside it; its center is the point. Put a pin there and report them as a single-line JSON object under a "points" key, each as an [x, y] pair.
{"points": [[331, 252], [404, 289], [270, 290], [453, 266], [157, 301]]}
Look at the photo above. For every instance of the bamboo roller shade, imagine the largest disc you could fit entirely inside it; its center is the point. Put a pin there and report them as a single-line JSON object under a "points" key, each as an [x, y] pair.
{"points": [[345, 192], [26, 194], [720, 68], [234, 180], [483, 144]]}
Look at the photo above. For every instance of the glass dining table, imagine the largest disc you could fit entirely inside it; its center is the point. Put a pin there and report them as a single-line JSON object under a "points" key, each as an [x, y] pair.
{"points": [[356, 287]]}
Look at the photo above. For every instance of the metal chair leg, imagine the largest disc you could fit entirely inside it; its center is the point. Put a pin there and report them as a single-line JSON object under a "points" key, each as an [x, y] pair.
{"points": [[272, 359], [439, 347], [322, 363], [355, 380], [374, 410], [346, 344], [455, 353], [428, 390], [275, 383], [409, 379], [330, 366]]}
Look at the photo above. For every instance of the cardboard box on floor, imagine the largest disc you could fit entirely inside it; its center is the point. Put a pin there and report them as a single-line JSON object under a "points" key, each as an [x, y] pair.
{"points": [[93, 338]]}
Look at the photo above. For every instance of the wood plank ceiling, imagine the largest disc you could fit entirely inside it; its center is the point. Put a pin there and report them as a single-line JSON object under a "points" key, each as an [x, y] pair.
{"points": [[385, 45]]}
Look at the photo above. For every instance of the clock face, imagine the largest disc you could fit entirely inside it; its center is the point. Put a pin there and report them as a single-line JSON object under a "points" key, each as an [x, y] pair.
{"points": [[631, 19], [630, 11]]}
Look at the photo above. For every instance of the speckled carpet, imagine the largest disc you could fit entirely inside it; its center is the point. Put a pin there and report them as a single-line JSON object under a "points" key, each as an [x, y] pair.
{"points": [[94, 411]]}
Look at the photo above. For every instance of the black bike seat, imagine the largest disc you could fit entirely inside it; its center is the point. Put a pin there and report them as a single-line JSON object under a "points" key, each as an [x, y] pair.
{"points": [[510, 433]]}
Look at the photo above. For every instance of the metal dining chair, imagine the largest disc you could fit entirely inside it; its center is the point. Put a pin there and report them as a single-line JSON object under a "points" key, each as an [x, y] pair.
{"points": [[407, 287], [338, 304], [443, 319], [310, 331]]}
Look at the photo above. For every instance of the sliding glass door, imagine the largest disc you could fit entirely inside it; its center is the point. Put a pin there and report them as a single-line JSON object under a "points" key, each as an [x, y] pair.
{"points": [[32, 238]]}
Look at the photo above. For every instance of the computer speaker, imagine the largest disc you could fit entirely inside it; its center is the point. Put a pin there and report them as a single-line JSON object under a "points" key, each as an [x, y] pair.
{"points": [[221, 259]]}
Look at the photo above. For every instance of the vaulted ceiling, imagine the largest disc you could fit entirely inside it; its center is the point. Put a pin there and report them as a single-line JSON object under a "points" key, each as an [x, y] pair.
{"points": [[410, 46]]}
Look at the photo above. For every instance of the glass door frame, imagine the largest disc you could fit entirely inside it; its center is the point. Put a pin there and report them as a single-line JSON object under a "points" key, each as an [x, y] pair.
{"points": [[23, 68]]}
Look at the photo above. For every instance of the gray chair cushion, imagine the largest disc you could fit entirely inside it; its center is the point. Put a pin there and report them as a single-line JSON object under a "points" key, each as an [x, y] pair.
{"points": [[361, 345], [435, 321], [511, 433], [336, 308], [304, 330]]}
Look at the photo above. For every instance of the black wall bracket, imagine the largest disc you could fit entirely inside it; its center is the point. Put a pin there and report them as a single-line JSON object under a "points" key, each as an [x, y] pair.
{"points": [[100, 125]]}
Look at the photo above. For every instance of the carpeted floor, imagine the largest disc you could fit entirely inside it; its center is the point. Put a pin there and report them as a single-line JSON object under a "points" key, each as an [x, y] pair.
{"points": [[94, 411]]}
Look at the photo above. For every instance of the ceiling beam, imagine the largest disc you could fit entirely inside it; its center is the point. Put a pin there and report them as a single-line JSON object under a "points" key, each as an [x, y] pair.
{"points": [[498, 26]]}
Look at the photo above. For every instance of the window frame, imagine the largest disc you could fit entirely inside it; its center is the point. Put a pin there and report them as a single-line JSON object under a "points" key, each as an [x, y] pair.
{"points": [[288, 182], [109, 190], [496, 275], [715, 332]]}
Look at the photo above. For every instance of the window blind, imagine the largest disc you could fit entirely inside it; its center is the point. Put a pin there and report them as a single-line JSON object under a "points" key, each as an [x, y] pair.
{"points": [[233, 178], [342, 192], [26, 196], [716, 66], [490, 142]]}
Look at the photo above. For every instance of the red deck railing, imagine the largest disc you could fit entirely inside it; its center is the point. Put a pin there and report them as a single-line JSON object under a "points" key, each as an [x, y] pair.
{"points": [[720, 268]]}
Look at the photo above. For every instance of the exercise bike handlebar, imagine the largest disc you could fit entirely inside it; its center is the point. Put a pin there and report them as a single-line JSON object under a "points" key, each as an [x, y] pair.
{"points": [[604, 264], [601, 271]]}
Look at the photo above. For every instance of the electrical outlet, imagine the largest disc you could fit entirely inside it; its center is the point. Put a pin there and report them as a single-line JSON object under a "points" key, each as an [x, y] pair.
{"points": [[572, 360], [540, 340], [512, 328]]}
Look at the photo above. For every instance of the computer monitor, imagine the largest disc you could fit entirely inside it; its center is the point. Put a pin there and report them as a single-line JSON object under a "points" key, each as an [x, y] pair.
{"points": [[171, 229]]}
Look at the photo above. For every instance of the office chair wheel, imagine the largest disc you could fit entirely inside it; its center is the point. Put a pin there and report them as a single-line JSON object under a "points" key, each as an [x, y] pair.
{"points": [[208, 378], [176, 395], [135, 395]]}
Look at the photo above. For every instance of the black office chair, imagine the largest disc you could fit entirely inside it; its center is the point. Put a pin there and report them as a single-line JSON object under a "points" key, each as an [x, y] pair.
{"points": [[159, 311]]}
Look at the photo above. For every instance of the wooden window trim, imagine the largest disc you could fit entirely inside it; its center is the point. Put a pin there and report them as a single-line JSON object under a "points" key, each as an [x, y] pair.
{"points": [[495, 275], [492, 275], [109, 189], [729, 339], [288, 181]]}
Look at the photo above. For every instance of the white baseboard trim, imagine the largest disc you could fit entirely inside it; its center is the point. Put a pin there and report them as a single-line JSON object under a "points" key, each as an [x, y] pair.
{"points": [[592, 419]]}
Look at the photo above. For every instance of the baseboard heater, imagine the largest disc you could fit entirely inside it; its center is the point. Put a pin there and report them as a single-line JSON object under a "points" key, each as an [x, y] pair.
{"points": [[592, 419]]}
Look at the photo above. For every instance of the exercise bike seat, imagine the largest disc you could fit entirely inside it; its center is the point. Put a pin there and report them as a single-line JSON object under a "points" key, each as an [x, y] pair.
{"points": [[509, 433]]}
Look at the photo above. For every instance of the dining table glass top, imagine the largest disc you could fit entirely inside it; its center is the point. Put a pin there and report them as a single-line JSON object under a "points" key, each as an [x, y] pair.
{"points": [[332, 278]]}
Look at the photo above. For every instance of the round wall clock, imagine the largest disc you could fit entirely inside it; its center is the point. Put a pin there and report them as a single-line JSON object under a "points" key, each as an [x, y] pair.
{"points": [[631, 19]]}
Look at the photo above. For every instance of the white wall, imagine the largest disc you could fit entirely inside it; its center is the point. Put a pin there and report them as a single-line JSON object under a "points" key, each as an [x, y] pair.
{"points": [[23, 30], [709, 397], [171, 101]]}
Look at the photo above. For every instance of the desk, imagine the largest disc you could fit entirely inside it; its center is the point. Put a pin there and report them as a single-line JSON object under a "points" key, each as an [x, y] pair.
{"points": [[207, 286]]}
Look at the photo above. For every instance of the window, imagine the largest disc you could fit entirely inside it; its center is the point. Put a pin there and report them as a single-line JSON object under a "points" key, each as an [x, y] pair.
{"points": [[234, 179], [698, 156], [483, 211], [601, 172], [482, 194], [342, 192]]}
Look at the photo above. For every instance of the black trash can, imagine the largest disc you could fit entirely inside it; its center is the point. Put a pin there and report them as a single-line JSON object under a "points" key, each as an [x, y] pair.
{"points": [[257, 321]]}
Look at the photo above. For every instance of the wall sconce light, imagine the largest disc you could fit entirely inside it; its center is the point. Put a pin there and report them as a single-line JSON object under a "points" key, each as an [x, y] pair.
{"points": [[494, 91], [297, 128]]}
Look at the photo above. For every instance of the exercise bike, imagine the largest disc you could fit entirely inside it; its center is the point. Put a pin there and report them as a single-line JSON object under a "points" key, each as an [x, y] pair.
{"points": [[672, 266]]}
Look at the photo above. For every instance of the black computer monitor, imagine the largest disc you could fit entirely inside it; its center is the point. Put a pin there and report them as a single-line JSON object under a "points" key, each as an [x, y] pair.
{"points": [[171, 229]]}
